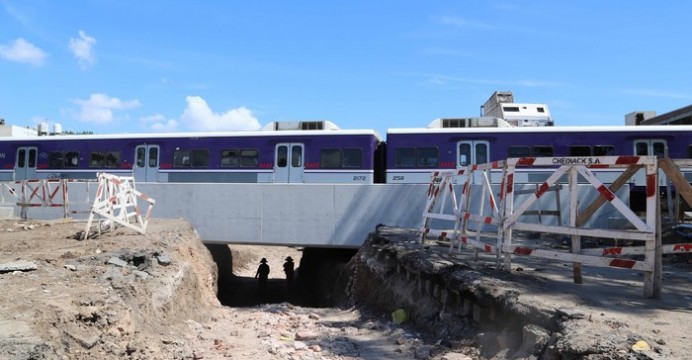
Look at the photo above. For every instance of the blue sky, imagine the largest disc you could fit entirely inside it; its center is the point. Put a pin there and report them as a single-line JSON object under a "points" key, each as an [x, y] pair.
{"points": [[143, 66]]}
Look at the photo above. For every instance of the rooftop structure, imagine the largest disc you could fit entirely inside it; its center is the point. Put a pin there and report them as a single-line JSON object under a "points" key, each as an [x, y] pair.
{"points": [[501, 105], [12, 130]]}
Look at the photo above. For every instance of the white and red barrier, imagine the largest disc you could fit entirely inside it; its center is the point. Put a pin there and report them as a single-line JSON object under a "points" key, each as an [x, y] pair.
{"points": [[472, 216], [37, 193], [565, 171], [116, 201]]}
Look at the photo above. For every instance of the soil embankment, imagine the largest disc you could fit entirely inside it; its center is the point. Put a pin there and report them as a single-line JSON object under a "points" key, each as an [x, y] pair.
{"points": [[533, 312], [154, 296]]}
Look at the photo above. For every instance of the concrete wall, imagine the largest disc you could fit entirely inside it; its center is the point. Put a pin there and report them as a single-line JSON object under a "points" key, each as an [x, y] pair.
{"points": [[304, 215], [316, 215]]}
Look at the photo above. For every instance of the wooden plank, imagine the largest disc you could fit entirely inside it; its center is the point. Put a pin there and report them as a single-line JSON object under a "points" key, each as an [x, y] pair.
{"points": [[675, 176], [614, 187]]}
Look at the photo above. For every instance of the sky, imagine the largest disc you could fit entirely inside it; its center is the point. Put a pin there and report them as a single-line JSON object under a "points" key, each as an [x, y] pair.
{"points": [[122, 66]]}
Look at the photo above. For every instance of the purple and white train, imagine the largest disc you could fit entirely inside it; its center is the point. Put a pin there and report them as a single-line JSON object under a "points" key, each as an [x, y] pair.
{"points": [[295, 152], [319, 152]]}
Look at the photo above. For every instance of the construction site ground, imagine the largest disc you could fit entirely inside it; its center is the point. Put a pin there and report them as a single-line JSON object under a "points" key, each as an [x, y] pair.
{"points": [[131, 296]]}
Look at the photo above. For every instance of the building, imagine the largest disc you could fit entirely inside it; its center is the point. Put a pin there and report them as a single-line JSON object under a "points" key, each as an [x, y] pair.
{"points": [[12, 130], [682, 116]]}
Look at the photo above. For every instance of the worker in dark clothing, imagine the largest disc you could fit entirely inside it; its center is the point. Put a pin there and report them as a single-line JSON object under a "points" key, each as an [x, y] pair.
{"points": [[262, 275], [289, 270]]}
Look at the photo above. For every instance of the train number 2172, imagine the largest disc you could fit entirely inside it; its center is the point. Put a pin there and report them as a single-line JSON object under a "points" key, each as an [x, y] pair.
{"points": [[359, 178]]}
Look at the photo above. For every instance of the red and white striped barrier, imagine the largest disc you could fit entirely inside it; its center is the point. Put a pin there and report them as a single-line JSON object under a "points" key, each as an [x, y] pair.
{"points": [[644, 230], [116, 200], [507, 218], [36, 193], [485, 213]]}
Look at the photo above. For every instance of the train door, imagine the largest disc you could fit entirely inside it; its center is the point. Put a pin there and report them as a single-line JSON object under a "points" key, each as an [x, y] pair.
{"points": [[654, 147], [25, 164], [146, 163], [472, 152], [289, 165]]}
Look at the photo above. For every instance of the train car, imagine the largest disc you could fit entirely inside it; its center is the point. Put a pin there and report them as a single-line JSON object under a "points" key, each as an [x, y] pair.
{"points": [[448, 144], [286, 152]]}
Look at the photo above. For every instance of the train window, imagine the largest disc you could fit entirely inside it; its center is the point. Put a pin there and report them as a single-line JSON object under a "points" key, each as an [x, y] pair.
{"points": [[689, 151], [181, 158], [518, 151], [542, 151], [249, 157], [32, 158], [21, 158], [282, 156], [229, 158], [56, 159], [296, 156], [153, 157], [96, 159], [71, 159], [190, 158], [200, 158], [511, 108], [112, 159], [108, 159], [405, 156], [481, 153], [641, 149], [659, 149], [352, 158], [464, 154], [603, 150], [140, 156], [580, 150], [427, 156], [330, 158]]}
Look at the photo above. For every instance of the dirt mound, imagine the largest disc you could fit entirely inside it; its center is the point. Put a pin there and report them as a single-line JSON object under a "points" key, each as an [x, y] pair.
{"points": [[122, 295]]}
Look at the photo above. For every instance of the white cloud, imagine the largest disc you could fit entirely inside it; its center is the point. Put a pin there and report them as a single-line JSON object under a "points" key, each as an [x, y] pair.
{"points": [[23, 51], [99, 108], [82, 49], [198, 116], [159, 123]]}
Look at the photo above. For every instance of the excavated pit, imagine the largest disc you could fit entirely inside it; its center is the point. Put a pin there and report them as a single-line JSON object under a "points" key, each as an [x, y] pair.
{"points": [[379, 277], [534, 311]]}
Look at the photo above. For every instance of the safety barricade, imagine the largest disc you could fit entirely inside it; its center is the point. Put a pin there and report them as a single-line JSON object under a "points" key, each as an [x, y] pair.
{"points": [[116, 201], [511, 216], [437, 209], [37, 193], [470, 214], [644, 230]]}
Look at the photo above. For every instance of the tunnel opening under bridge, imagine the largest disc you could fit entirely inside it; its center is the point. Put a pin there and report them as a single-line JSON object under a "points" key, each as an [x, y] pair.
{"points": [[319, 277]]}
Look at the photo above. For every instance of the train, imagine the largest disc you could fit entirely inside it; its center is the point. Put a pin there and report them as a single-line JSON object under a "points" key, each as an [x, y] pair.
{"points": [[321, 152]]}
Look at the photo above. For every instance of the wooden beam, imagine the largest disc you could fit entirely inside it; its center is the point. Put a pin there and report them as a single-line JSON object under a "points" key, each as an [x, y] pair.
{"points": [[682, 186], [599, 201]]}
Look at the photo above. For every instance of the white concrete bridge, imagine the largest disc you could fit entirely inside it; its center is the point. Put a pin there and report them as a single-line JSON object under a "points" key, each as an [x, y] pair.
{"points": [[306, 215]]}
